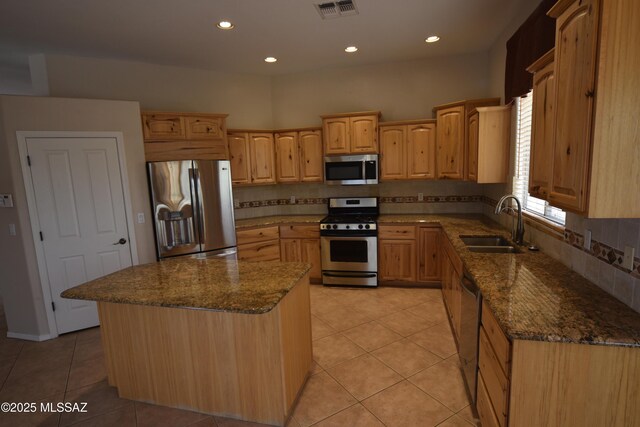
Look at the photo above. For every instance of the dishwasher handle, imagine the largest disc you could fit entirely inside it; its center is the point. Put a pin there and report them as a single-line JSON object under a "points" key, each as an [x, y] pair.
{"points": [[468, 285]]}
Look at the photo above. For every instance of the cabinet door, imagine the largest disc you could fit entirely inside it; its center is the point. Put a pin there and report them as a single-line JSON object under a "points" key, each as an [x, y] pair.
{"points": [[163, 127], [311, 254], [421, 151], [287, 157], [428, 254], [364, 134], [393, 152], [311, 163], [262, 158], [450, 131], [291, 250], [239, 157], [541, 132], [472, 149], [575, 67], [397, 260], [336, 135], [204, 127]]}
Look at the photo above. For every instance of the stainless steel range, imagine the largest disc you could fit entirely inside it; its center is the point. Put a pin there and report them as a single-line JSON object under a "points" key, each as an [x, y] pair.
{"points": [[349, 242]]}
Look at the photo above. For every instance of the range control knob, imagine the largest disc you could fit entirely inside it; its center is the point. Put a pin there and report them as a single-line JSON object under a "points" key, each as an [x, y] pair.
{"points": [[360, 226], [347, 227], [367, 226], [335, 226]]}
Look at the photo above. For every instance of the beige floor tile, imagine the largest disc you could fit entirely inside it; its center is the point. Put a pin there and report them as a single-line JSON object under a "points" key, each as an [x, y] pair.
{"points": [[154, 415], [372, 335], [6, 364], [125, 417], [37, 418], [38, 383], [88, 348], [432, 311], [86, 372], [320, 329], [100, 399], [438, 339], [404, 323], [334, 349], [343, 317], [88, 334], [364, 376], [444, 382], [315, 368], [406, 357], [322, 397], [433, 294], [405, 405], [10, 347], [455, 421], [229, 422], [467, 413], [355, 416], [376, 308]]}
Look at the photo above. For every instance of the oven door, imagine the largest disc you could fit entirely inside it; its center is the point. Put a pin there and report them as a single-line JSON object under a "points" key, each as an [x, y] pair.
{"points": [[349, 253]]}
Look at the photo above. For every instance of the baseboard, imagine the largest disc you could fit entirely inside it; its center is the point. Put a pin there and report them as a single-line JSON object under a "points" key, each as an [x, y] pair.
{"points": [[29, 337]]}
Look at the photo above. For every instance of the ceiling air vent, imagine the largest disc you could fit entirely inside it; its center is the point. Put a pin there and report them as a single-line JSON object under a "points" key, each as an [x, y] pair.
{"points": [[337, 9]]}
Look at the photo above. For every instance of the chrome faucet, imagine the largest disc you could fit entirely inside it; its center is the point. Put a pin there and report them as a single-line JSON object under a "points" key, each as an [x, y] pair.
{"points": [[518, 233]]}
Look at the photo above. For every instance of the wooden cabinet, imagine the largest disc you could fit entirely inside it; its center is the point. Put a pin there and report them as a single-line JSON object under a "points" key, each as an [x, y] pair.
{"points": [[252, 156], [397, 253], [184, 136], [301, 243], [541, 126], [429, 254], [299, 156], [452, 136], [351, 133], [488, 136], [407, 150], [451, 289], [258, 244], [596, 154]]}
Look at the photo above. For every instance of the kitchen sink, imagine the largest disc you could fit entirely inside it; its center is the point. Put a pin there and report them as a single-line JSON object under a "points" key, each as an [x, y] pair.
{"points": [[489, 244]]}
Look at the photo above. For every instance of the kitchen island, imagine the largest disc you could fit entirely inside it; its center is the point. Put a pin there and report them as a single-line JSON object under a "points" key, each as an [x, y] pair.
{"points": [[223, 337]]}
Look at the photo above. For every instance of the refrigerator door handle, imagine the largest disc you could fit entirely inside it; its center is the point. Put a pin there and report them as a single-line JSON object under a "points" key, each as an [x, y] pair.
{"points": [[194, 177]]}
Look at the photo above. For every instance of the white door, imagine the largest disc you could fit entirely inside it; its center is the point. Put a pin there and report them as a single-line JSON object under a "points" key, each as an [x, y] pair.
{"points": [[80, 205]]}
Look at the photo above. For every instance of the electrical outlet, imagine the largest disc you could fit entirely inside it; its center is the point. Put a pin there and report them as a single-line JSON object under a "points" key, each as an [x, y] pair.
{"points": [[12, 229], [420, 197], [292, 200], [236, 203], [140, 218], [6, 201], [627, 260], [587, 240]]}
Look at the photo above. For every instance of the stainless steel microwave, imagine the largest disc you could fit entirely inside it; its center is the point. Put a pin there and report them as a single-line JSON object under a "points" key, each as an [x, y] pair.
{"points": [[351, 170]]}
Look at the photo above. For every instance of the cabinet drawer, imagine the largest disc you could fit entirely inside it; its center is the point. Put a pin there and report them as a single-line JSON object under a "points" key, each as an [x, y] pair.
{"points": [[257, 235], [204, 127], [483, 405], [499, 342], [163, 127], [397, 232], [496, 383], [299, 231], [260, 251]]}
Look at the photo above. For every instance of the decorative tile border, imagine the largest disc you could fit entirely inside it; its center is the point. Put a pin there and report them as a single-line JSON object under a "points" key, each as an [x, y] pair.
{"points": [[324, 201], [601, 251]]}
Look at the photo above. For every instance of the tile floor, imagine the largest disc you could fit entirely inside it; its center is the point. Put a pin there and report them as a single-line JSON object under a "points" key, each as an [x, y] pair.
{"points": [[383, 357]]}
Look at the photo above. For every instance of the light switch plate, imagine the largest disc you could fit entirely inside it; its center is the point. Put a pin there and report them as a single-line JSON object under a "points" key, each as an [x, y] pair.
{"points": [[140, 217], [627, 260], [292, 199], [6, 201], [420, 197], [587, 240], [12, 229]]}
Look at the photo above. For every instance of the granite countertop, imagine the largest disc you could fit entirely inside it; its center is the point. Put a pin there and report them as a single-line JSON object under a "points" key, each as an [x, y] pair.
{"points": [[533, 296], [278, 219], [199, 283]]}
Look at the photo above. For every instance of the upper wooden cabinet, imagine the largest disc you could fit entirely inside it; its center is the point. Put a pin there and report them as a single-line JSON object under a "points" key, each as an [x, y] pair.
{"points": [[184, 136], [351, 133], [542, 126], [407, 150], [252, 157], [299, 156], [596, 142], [488, 144], [452, 136]]}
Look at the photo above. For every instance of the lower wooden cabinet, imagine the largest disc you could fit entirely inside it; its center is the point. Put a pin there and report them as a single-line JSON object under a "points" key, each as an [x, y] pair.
{"points": [[429, 254], [301, 243], [259, 244], [397, 260], [451, 289]]}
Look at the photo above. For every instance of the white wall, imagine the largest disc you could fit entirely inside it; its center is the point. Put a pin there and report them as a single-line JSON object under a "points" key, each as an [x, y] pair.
{"points": [[20, 284], [401, 90], [245, 97]]}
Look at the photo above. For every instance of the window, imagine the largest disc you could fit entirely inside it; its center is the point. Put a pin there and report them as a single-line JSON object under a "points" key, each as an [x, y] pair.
{"points": [[533, 205]]}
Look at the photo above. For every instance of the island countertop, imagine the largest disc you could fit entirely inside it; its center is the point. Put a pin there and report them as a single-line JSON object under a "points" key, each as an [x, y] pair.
{"points": [[198, 283]]}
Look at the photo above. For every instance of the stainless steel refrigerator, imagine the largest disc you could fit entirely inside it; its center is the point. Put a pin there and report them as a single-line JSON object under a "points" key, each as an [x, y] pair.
{"points": [[192, 207]]}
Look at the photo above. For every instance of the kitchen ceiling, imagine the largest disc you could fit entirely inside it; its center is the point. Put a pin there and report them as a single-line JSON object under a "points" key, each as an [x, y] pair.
{"points": [[184, 33]]}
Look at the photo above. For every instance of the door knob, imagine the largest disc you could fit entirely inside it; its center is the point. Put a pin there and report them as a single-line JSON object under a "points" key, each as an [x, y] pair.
{"points": [[122, 241]]}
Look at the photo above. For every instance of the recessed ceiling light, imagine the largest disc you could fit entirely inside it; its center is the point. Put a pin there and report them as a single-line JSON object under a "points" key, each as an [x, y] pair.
{"points": [[432, 39], [270, 59], [225, 25], [351, 49]]}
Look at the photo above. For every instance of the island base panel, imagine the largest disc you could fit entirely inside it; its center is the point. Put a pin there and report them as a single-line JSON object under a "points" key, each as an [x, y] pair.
{"points": [[245, 366]]}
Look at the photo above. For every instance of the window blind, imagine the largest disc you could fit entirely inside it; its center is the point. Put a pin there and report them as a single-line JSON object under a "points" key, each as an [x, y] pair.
{"points": [[533, 205]]}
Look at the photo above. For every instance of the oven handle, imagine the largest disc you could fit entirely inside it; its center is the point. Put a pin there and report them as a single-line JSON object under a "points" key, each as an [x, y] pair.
{"points": [[365, 275]]}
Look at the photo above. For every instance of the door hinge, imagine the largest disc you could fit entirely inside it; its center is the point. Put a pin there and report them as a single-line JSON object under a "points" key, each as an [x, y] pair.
{"points": [[41, 238], [53, 305], [29, 160]]}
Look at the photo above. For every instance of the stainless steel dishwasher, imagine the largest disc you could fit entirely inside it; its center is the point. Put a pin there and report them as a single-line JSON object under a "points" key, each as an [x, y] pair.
{"points": [[471, 303]]}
